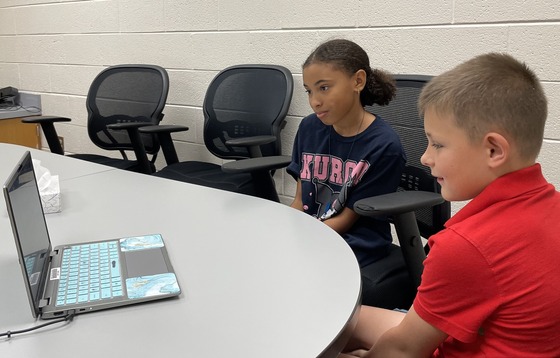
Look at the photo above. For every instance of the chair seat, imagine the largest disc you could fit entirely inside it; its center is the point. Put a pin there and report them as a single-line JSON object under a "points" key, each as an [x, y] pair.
{"points": [[386, 282], [118, 163], [210, 175]]}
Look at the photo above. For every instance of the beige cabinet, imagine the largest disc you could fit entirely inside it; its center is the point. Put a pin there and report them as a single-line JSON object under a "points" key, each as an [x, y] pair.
{"points": [[15, 132]]}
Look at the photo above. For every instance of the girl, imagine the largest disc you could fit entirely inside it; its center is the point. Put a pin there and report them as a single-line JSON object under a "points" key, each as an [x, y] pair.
{"points": [[342, 153]]}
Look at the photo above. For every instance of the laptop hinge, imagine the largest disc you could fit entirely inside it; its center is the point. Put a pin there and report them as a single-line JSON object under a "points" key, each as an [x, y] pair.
{"points": [[44, 302]]}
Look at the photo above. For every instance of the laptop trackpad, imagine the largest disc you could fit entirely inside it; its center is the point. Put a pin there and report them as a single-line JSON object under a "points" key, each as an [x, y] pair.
{"points": [[145, 262]]}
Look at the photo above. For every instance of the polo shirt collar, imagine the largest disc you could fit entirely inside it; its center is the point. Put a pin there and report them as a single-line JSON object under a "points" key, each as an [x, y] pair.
{"points": [[503, 188]]}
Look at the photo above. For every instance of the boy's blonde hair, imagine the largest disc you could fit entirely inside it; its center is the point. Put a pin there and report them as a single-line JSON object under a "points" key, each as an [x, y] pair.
{"points": [[492, 92]]}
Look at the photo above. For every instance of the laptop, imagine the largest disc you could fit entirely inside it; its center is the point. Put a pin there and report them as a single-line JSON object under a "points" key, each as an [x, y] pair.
{"points": [[85, 277]]}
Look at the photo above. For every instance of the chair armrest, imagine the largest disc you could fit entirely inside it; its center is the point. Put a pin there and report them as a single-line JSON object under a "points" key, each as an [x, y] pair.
{"points": [[402, 206], [253, 143], [260, 169], [128, 125], [168, 128], [396, 203], [132, 129], [250, 165], [164, 136], [47, 125], [45, 119]]}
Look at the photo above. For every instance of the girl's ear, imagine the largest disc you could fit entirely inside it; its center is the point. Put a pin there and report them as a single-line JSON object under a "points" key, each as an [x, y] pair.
{"points": [[498, 149], [360, 80]]}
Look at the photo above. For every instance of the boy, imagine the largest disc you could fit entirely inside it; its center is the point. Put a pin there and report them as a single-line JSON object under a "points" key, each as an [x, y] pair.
{"points": [[489, 286]]}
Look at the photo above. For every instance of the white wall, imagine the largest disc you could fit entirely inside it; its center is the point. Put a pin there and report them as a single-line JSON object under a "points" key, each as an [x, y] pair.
{"points": [[55, 48]]}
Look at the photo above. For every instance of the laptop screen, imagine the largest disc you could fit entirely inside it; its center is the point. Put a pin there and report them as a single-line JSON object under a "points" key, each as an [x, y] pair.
{"points": [[29, 226]]}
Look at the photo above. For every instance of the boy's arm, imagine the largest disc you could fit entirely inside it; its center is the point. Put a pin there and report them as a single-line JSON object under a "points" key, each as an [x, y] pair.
{"points": [[413, 337]]}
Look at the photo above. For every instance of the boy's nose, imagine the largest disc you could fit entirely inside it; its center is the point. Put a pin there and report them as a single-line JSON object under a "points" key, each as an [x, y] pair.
{"points": [[425, 159]]}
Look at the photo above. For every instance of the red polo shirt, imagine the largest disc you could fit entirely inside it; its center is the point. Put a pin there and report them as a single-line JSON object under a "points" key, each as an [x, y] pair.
{"points": [[492, 278]]}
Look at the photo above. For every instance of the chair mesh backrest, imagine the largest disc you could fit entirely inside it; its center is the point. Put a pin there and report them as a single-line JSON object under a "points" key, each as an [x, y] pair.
{"points": [[402, 114], [126, 93], [245, 101]]}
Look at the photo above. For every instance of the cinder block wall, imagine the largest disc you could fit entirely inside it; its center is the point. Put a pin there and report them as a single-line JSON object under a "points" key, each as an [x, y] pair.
{"points": [[55, 48]]}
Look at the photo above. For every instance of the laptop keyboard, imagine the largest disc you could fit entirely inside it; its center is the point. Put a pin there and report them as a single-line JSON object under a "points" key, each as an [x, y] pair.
{"points": [[89, 273]]}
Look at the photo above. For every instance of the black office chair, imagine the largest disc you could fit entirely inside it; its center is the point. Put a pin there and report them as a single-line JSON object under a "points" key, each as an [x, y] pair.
{"points": [[416, 209], [121, 99], [244, 111]]}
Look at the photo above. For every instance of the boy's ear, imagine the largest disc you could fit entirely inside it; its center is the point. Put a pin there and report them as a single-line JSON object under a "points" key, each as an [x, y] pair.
{"points": [[498, 149]]}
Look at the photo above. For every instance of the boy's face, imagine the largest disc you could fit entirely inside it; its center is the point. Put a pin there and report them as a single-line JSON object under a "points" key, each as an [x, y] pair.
{"points": [[459, 165]]}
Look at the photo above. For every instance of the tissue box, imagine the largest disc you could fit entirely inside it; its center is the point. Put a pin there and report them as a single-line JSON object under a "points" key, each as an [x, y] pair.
{"points": [[51, 201], [49, 188], [50, 197]]}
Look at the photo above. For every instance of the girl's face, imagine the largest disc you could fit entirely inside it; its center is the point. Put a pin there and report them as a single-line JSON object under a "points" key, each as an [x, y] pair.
{"points": [[333, 95]]}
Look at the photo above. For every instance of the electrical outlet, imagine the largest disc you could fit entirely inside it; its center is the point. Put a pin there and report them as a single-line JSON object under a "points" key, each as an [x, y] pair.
{"points": [[61, 140]]}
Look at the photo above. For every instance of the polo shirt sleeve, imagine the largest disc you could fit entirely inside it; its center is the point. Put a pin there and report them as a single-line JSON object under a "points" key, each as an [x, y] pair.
{"points": [[458, 290]]}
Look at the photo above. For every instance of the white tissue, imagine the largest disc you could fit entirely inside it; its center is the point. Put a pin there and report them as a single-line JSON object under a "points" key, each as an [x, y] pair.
{"points": [[49, 188]]}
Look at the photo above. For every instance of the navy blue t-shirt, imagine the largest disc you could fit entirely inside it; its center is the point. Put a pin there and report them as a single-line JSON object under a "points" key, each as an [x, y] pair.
{"points": [[337, 171]]}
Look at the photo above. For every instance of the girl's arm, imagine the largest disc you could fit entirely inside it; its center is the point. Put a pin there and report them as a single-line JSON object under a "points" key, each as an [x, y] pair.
{"points": [[342, 222], [297, 203], [339, 223]]}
